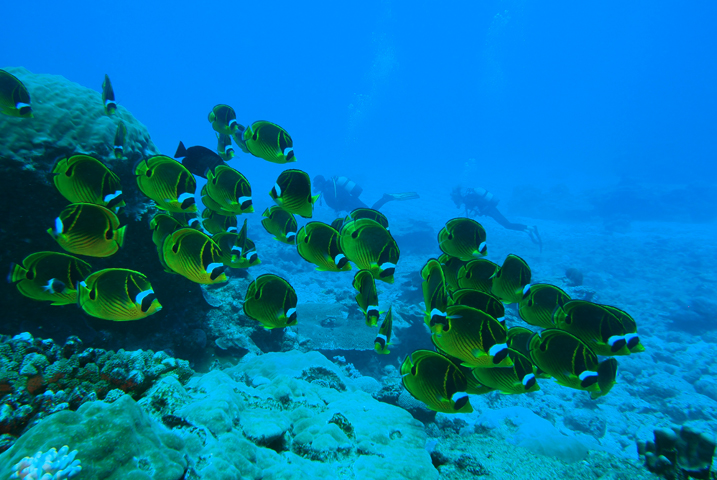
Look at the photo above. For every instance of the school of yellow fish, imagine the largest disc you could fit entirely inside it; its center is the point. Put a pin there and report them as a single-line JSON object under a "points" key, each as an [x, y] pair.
{"points": [[464, 294]]}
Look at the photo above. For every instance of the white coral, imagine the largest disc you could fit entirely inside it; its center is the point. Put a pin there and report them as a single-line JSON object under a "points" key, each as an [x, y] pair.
{"points": [[52, 465]]}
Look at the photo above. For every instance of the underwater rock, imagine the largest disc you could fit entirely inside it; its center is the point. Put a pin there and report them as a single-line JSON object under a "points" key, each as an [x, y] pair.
{"points": [[678, 453], [328, 327], [52, 378], [574, 277], [137, 447]]}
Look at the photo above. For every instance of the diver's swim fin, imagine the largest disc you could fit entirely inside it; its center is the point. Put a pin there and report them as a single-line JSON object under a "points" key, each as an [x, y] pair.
{"points": [[402, 196]]}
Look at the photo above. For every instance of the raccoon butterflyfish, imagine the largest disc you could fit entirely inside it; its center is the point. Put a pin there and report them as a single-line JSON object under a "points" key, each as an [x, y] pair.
{"points": [[229, 190], [198, 160], [88, 229], [509, 281], [338, 223], [436, 381], [383, 339], [539, 302], [188, 219], [108, 96], [292, 192], [367, 296], [517, 378], [451, 266], [482, 301], [168, 183], [268, 141], [195, 256], [571, 362], [474, 386], [117, 294], [519, 340], [14, 97], [435, 295], [224, 119], [606, 330], [280, 223], [477, 274], [271, 301], [84, 179], [238, 251], [318, 243], [214, 222], [374, 215], [49, 276], [225, 149], [371, 247], [161, 226], [474, 337], [120, 137], [463, 238]]}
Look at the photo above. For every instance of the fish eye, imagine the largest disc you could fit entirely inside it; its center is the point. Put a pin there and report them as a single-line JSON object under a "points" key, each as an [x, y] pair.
{"points": [[569, 319], [149, 173], [175, 248], [30, 275], [450, 236], [354, 234], [543, 347], [413, 370], [93, 294]]}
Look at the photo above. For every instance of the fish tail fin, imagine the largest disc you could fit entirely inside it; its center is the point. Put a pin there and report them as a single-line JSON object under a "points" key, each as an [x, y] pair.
{"points": [[181, 151], [119, 235], [16, 273]]}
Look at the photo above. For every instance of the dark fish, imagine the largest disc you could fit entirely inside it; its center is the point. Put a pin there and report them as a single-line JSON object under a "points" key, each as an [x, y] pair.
{"points": [[84, 179], [367, 296], [280, 223], [371, 247], [88, 229], [482, 301], [606, 330], [214, 222], [108, 96], [120, 137], [224, 146], [195, 256], [383, 339], [117, 294], [451, 266], [436, 381], [271, 300], [318, 243], [228, 191], [475, 337], [374, 215], [539, 302], [292, 192], [269, 141], [477, 275], [510, 279], [435, 295], [49, 276], [198, 160], [520, 377], [463, 238], [168, 183], [571, 362], [14, 97], [224, 120]]}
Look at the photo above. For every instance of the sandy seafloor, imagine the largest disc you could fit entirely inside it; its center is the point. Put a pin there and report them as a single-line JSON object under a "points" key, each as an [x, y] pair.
{"points": [[662, 273]]}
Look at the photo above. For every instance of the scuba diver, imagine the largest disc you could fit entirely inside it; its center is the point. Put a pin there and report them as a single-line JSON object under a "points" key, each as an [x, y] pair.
{"points": [[479, 201], [341, 193]]}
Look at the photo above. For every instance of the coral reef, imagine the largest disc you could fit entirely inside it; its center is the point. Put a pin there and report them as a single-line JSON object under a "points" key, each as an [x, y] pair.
{"points": [[678, 453], [39, 378], [51, 465]]}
